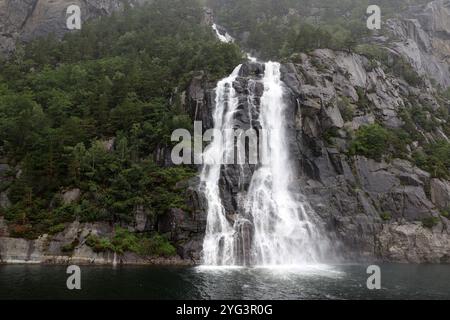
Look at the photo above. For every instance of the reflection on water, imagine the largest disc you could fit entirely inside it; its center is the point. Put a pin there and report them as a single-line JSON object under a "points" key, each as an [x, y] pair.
{"points": [[287, 282]]}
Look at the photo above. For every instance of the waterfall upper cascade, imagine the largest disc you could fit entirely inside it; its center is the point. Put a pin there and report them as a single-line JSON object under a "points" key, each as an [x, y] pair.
{"points": [[273, 225]]}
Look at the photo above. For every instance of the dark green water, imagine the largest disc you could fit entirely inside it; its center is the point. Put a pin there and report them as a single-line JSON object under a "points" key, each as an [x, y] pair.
{"points": [[336, 282]]}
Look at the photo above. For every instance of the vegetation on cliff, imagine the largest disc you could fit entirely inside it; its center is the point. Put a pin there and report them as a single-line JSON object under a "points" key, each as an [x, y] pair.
{"points": [[278, 29], [93, 111]]}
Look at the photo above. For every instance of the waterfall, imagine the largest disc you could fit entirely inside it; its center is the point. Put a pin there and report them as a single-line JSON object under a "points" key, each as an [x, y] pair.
{"points": [[218, 245], [284, 233], [226, 38], [274, 225]]}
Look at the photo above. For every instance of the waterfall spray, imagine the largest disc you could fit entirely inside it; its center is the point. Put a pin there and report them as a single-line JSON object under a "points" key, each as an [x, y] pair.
{"points": [[275, 226]]}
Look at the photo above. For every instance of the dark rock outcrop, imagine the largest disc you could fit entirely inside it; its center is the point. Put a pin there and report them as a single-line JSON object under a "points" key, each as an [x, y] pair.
{"points": [[376, 208]]}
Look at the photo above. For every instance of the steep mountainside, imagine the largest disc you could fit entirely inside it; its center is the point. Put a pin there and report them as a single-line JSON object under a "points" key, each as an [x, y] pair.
{"points": [[367, 112], [388, 209], [369, 133], [422, 35], [28, 19], [85, 127]]}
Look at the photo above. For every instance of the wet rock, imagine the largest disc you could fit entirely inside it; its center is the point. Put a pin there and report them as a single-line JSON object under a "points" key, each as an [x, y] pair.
{"points": [[243, 241], [252, 69]]}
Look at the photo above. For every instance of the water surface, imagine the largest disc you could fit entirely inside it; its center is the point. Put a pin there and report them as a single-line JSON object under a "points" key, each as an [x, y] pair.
{"points": [[314, 282]]}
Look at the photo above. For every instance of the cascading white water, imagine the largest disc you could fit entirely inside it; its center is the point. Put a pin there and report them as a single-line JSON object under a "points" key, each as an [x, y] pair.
{"points": [[226, 38], [218, 245], [283, 229]]}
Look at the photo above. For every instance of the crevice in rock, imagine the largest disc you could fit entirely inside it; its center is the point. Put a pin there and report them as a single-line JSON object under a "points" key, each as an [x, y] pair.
{"points": [[30, 13]]}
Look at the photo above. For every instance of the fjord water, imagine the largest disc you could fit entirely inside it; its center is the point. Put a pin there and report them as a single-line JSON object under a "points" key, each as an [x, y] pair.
{"points": [[338, 282]]}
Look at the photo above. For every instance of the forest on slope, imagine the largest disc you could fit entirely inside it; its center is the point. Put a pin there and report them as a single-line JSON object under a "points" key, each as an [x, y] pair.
{"points": [[62, 103], [276, 29]]}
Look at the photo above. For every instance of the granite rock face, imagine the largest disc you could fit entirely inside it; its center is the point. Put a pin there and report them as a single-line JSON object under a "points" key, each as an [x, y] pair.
{"points": [[375, 210], [52, 249], [422, 36], [29, 19]]}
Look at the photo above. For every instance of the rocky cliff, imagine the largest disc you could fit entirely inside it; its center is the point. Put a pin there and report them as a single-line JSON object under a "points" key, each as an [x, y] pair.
{"points": [[29, 19], [53, 249], [374, 208], [422, 35]]}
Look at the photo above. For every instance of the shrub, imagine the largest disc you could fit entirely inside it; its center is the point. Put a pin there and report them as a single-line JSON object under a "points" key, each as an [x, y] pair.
{"points": [[330, 134], [410, 126], [158, 245], [434, 158], [363, 101], [56, 229], [99, 244], [401, 67], [371, 141], [385, 216], [430, 222], [422, 116], [70, 247], [399, 139], [126, 241], [21, 231]]}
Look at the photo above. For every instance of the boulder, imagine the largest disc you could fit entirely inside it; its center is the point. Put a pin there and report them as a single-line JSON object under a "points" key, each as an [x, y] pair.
{"points": [[71, 196], [412, 243]]}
